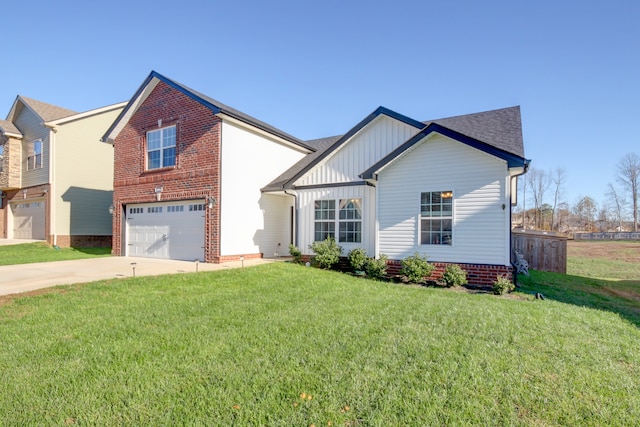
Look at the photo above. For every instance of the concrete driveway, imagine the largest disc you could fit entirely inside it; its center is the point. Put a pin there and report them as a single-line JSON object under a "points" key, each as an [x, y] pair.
{"points": [[28, 277]]}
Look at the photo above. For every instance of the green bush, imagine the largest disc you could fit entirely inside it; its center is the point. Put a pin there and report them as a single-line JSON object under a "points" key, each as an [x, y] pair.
{"points": [[357, 259], [327, 253], [454, 275], [416, 268], [376, 268], [295, 253], [502, 285]]}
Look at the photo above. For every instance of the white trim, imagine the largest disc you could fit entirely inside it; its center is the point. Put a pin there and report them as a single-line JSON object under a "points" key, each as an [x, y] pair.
{"points": [[53, 123], [135, 104]]}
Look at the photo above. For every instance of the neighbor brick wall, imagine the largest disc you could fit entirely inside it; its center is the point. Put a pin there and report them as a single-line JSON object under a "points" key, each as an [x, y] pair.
{"points": [[196, 174]]}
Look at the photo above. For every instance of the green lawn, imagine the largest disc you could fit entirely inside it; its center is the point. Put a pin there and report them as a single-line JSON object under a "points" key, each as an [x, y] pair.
{"points": [[28, 253], [284, 345]]}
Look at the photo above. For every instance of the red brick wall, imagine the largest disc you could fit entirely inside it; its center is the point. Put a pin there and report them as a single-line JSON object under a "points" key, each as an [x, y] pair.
{"points": [[477, 274], [196, 174]]}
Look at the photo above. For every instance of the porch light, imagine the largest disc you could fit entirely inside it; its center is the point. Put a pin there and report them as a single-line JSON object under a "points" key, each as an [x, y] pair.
{"points": [[158, 192], [111, 210], [211, 202], [24, 194]]}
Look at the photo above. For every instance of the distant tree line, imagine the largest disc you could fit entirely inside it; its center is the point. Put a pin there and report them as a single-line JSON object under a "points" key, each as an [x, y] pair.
{"points": [[542, 204]]}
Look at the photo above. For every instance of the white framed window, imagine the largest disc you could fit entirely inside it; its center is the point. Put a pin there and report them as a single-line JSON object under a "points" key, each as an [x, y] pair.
{"points": [[196, 207], [34, 160], [436, 218], [175, 208], [161, 148], [348, 220], [325, 220], [154, 209], [136, 210]]}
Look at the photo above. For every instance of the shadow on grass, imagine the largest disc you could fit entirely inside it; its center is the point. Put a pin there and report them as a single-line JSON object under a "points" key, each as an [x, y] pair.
{"points": [[94, 250], [618, 296]]}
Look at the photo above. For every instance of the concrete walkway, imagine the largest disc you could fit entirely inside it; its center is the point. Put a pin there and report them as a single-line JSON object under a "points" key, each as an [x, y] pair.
{"points": [[28, 277]]}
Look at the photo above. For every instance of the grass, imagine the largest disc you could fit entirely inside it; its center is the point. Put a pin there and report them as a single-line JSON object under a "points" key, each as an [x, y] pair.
{"points": [[29, 253], [283, 345], [594, 281]]}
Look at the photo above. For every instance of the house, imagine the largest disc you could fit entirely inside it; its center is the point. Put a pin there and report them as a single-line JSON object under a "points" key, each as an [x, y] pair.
{"points": [[196, 179], [56, 178], [396, 186], [187, 177]]}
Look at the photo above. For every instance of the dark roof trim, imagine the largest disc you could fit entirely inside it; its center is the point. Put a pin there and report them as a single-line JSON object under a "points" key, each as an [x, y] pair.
{"points": [[214, 106], [333, 185], [511, 159], [378, 111]]}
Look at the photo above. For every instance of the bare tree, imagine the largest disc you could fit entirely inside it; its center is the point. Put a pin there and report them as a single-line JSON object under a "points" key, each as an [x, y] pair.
{"points": [[539, 183], [617, 203], [629, 176], [558, 179], [585, 211]]}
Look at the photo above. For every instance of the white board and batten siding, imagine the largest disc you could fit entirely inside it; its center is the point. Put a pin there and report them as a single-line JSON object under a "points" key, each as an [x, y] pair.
{"points": [[479, 183], [253, 222], [306, 211], [365, 148]]}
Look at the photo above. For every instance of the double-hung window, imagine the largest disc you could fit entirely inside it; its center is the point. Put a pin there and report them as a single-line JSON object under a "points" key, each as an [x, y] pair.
{"points": [[325, 219], [161, 148], [34, 160], [436, 218], [1, 157], [347, 220]]}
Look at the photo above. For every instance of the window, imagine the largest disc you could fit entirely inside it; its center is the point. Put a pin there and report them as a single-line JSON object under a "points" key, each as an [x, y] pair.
{"points": [[154, 209], [1, 157], [325, 216], [136, 210], [349, 220], [161, 148], [34, 160], [197, 207], [436, 218], [176, 208]]}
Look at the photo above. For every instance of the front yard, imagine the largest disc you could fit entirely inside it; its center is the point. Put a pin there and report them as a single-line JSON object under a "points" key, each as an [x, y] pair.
{"points": [[28, 253], [281, 344]]}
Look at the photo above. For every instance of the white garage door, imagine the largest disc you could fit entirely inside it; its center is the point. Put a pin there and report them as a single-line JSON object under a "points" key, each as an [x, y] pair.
{"points": [[28, 220], [172, 230]]}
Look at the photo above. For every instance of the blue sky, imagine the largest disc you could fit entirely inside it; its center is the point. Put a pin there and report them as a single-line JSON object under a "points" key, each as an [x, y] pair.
{"points": [[315, 69]]}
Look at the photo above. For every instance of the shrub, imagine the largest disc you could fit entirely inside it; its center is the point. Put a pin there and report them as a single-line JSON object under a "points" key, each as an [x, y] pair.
{"points": [[357, 258], [376, 268], [502, 285], [454, 275], [415, 268], [327, 253], [295, 253]]}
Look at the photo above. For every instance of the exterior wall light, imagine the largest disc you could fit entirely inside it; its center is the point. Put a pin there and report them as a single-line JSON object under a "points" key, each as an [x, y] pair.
{"points": [[211, 202], [111, 210], [158, 192]]}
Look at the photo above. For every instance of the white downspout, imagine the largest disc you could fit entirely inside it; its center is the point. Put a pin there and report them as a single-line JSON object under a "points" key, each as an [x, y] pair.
{"points": [[52, 185]]}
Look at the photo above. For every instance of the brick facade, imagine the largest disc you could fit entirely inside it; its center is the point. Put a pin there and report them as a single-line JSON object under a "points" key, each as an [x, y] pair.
{"points": [[477, 274], [196, 175]]}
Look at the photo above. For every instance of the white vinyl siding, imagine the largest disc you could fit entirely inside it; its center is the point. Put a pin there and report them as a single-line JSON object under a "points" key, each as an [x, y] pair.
{"points": [[364, 149], [478, 182], [306, 215], [253, 222]]}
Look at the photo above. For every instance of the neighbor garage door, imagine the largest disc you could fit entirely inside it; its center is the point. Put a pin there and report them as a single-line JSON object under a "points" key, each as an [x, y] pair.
{"points": [[172, 230], [28, 220]]}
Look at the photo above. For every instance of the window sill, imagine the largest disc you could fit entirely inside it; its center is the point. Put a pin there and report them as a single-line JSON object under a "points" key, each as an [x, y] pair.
{"points": [[158, 170]]}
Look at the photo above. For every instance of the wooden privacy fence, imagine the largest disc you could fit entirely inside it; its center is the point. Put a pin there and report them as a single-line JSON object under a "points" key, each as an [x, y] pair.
{"points": [[544, 252]]}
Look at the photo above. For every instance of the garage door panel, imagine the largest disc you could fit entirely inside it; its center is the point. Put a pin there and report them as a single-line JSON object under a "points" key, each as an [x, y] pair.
{"points": [[28, 220], [166, 230]]}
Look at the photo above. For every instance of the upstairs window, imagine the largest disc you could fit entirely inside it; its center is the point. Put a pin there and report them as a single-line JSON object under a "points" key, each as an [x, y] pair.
{"points": [[161, 148], [1, 157], [436, 218], [34, 160]]}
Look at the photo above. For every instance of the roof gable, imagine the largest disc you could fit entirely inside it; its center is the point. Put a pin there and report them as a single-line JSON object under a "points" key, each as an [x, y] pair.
{"points": [[215, 106], [328, 146], [512, 159], [46, 112], [9, 129]]}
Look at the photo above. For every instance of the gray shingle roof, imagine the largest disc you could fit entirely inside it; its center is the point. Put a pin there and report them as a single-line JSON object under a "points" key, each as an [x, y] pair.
{"points": [[499, 128], [46, 111], [8, 127]]}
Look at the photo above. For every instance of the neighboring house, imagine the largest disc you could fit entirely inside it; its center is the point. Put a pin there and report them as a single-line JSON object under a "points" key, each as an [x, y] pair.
{"points": [[56, 178], [188, 173], [396, 186], [195, 179]]}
